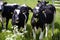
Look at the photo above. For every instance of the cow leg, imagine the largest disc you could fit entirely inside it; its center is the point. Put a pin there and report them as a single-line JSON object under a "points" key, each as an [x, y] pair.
{"points": [[3, 26], [7, 20], [25, 27], [53, 24], [42, 32], [25, 21], [3, 19], [52, 28], [34, 34], [47, 27], [35, 29]]}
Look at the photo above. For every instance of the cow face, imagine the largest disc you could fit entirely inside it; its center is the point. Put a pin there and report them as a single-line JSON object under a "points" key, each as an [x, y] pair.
{"points": [[16, 13], [36, 11]]}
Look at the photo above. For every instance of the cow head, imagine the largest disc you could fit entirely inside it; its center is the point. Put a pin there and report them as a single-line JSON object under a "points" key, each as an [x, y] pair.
{"points": [[16, 13], [42, 3], [36, 11]]}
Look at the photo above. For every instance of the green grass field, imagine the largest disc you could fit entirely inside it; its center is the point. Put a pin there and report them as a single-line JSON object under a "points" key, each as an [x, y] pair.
{"points": [[28, 36]]}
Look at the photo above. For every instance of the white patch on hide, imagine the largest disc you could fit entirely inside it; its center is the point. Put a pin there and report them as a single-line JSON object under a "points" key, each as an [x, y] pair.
{"points": [[37, 9], [18, 11], [24, 5], [10, 4]]}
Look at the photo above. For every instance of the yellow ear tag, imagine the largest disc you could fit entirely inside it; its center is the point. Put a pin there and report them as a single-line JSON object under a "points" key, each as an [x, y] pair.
{"points": [[43, 11]]}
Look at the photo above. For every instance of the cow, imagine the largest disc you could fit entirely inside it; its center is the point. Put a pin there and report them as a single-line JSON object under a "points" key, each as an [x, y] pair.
{"points": [[38, 21], [49, 11], [7, 12], [20, 17]]}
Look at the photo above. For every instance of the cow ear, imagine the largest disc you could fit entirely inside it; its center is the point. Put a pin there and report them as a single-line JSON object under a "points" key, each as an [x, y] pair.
{"points": [[4, 3], [38, 1]]}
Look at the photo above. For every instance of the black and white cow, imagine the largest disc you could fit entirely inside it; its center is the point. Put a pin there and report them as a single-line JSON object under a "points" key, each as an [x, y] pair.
{"points": [[7, 12], [38, 20], [20, 16], [48, 12]]}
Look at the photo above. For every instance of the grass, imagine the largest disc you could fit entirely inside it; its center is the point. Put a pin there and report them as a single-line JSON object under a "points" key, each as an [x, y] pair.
{"points": [[28, 36]]}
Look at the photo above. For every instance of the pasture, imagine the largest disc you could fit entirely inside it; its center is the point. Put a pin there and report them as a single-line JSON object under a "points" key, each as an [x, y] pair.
{"points": [[28, 35]]}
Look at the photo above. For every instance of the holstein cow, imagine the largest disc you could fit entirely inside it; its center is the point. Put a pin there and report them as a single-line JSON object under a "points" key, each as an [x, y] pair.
{"points": [[38, 20], [49, 11], [20, 17], [6, 12]]}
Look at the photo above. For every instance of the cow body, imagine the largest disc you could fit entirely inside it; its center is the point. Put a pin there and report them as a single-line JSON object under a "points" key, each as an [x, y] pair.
{"points": [[7, 12], [46, 17], [50, 14], [22, 16], [38, 21]]}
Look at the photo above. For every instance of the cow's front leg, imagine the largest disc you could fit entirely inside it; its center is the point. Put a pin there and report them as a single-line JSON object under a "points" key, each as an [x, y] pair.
{"points": [[47, 27], [25, 31], [41, 35], [53, 24], [52, 28], [34, 34], [3, 24], [7, 20], [42, 32], [25, 27]]}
